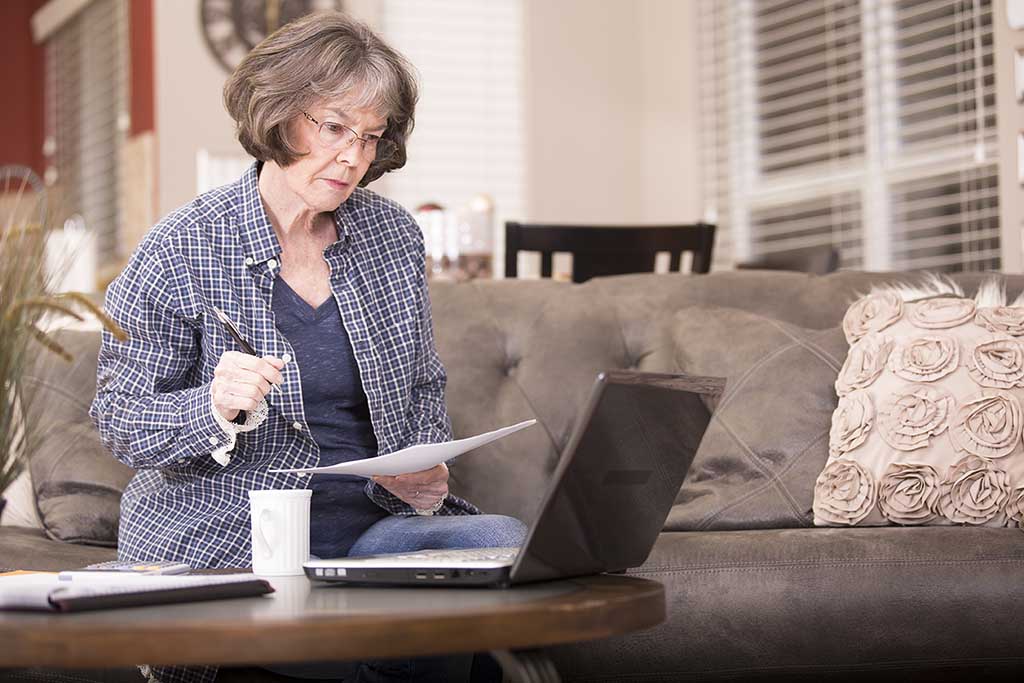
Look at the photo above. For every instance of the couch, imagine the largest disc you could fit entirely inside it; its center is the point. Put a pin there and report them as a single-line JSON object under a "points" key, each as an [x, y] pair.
{"points": [[790, 602]]}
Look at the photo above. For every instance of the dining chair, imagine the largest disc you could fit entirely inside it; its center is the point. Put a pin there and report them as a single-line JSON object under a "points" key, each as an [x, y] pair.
{"points": [[609, 250]]}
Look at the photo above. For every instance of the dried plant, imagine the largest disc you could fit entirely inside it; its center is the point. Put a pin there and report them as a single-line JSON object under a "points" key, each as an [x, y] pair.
{"points": [[26, 304]]}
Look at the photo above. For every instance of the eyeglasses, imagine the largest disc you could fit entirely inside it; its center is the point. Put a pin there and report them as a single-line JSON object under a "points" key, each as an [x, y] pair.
{"points": [[337, 136]]}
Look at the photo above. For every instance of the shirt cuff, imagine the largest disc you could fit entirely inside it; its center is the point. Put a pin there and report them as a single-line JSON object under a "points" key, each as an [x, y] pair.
{"points": [[203, 431], [427, 512], [253, 419]]}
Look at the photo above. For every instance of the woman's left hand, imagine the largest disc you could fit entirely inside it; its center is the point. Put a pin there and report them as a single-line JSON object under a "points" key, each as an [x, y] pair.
{"points": [[421, 490]]}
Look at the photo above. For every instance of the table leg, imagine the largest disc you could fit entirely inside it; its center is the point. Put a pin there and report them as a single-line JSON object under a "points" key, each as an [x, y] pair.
{"points": [[526, 666]]}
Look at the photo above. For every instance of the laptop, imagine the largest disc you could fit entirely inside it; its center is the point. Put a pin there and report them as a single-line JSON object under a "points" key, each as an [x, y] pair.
{"points": [[606, 503]]}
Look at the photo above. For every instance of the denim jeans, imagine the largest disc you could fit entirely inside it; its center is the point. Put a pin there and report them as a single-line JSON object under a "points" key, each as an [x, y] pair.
{"points": [[407, 534]]}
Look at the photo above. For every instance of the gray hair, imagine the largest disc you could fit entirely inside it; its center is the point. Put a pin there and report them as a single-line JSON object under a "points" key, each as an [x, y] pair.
{"points": [[320, 56]]}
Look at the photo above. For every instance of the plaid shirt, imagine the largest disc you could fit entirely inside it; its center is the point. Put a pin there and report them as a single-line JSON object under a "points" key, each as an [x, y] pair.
{"points": [[153, 406]]}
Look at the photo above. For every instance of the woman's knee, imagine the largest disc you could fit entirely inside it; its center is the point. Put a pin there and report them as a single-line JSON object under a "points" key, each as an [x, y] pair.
{"points": [[499, 531]]}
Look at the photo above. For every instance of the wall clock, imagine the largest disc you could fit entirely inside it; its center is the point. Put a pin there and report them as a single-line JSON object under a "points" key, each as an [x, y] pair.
{"points": [[233, 27]]}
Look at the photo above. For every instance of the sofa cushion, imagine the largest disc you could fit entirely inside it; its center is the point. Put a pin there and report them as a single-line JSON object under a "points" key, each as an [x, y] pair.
{"points": [[24, 548], [867, 602], [768, 437], [516, 349], [928, 426], [77, 482]]}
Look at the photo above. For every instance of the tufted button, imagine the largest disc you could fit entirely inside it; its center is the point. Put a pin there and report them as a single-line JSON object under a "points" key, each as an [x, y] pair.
{"points": [[510, 366]]}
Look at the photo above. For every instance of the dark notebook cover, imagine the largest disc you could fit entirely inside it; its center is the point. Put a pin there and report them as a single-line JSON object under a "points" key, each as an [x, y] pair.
{"points": [[45, 592]]}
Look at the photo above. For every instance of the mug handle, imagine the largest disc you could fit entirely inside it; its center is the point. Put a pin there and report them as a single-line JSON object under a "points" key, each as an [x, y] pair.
{"points": [[264, 540]]}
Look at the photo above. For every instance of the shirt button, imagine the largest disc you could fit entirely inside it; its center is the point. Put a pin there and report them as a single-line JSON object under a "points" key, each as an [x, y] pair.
{"points": [[297, 426], [214, 441], [272, 263], [286, 358], [249, 260]]}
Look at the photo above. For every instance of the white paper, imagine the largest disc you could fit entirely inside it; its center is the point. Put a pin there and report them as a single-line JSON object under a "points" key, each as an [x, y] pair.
{"points": [[415, 458], [27, 591]]}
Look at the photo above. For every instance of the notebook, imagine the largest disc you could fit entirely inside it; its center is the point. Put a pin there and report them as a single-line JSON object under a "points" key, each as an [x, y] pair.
{"points": [[605, 505], [49, 592]]}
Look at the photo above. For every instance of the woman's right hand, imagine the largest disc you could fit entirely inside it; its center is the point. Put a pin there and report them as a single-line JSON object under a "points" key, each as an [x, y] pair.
{"points": [[240, 382]]}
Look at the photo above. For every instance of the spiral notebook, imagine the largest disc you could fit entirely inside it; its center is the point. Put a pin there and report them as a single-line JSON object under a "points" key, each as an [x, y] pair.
{"points": [[47, 592]]}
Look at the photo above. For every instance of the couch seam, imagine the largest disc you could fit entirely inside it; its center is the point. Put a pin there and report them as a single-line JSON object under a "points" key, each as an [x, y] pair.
{"points": [[615, 312], [711, 569], [772, 479], [744, 378], [748, 454], [827, 358], [774, 482], [811, 563]]}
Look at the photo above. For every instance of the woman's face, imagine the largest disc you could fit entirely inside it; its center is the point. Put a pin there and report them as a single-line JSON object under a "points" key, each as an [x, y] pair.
{"points": [[328, 174]]}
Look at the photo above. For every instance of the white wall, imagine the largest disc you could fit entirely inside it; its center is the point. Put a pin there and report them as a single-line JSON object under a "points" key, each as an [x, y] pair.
{"points": [[611, 97], [610, 108], [189, 113]]}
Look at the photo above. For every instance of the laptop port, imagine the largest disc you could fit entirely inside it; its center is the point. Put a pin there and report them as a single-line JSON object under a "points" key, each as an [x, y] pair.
{"points": [[440, 576], [421, 575]]}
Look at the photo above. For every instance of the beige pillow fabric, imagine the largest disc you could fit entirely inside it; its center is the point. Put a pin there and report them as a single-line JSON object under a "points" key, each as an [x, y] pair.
{"points": [[928, 429]]}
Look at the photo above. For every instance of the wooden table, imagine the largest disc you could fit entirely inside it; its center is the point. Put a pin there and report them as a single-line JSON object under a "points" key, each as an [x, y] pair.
{"points": [[315, 622]]}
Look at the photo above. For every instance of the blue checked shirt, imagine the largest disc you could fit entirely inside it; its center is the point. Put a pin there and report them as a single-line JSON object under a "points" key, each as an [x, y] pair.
{"points": [[153, 406]]}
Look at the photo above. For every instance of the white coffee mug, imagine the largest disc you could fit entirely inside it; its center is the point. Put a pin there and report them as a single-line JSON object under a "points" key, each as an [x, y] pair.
{"points": [[280, 531]]}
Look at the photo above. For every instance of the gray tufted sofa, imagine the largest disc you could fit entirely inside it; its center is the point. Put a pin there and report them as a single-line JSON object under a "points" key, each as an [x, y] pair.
{"points": [[797, 603]]}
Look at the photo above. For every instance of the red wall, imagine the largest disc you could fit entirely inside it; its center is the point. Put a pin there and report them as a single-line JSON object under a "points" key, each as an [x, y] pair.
{"points": [[21, 86], [22, 80], [140, 37]]}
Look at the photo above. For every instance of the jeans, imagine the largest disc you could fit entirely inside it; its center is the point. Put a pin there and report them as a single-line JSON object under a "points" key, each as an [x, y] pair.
{"points": [[395, 534], [407, 534]]}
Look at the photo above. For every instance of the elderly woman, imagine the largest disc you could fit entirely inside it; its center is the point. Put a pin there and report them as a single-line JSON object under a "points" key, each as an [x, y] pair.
{"points": [[326, 281]]}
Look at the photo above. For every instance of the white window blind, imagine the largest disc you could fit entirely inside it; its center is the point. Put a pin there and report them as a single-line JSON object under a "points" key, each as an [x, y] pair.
{"points": [[865, 124], [469, 121], [86, 93]]}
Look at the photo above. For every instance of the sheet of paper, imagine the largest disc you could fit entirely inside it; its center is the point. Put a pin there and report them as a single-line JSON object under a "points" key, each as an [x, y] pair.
{"points": [[27, 591], [415, 458]]}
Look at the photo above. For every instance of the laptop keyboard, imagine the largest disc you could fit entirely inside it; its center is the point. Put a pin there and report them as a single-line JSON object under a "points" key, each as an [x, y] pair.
{"points": [[462, 554]]}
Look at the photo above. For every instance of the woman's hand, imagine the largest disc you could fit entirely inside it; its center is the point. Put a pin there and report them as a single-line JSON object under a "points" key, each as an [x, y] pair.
{"points": [[240, 382], [422, 490]]}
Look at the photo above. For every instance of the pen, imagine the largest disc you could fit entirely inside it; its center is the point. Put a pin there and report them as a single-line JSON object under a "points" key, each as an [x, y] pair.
{"points": [[233, 331]]}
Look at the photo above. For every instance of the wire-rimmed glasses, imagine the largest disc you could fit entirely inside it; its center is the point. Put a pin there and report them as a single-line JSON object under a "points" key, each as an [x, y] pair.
{"points": [[338, 136]]}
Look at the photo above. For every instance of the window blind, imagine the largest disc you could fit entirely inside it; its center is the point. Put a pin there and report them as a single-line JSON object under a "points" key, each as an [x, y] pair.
{"points": [[469, 121], [86, 93], [865, 124]]}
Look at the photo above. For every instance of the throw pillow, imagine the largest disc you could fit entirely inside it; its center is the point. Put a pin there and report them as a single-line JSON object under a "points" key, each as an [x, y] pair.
{"points": [[928, 429], [77, 482], [19, 508], [768, 436]]}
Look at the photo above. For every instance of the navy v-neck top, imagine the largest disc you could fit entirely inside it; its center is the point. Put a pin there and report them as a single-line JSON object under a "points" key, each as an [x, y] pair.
{"points": [[338, 417]]}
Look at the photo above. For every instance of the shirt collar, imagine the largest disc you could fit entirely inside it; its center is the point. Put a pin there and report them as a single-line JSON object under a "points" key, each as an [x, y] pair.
{"points": [[259, 241]]}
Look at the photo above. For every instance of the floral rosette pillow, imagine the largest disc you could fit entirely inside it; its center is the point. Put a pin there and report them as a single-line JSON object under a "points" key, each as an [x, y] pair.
{"points": [[929, 425]]}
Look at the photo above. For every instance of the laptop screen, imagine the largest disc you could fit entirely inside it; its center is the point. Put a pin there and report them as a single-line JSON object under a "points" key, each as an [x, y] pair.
{"points": [[619, 475]]}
